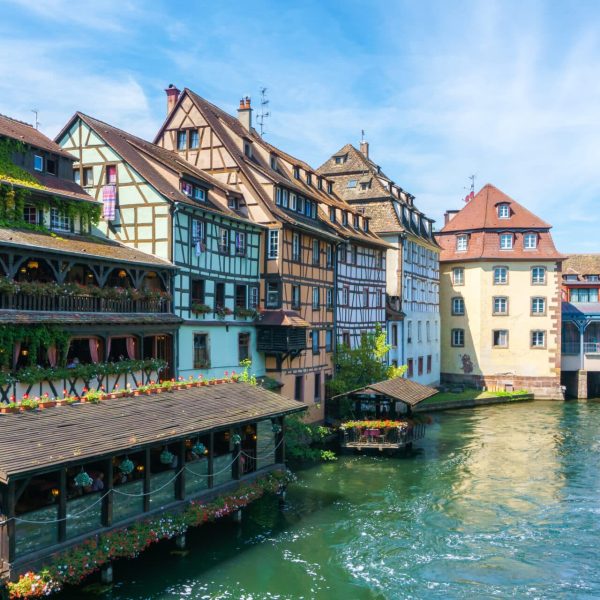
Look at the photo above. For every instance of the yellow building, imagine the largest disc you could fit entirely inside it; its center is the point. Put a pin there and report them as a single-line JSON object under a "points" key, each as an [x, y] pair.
{"points": [[500, 304]]}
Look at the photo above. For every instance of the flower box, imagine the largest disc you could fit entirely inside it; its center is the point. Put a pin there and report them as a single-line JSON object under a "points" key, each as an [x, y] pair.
{"points": [[47, 404], [8, 409]]}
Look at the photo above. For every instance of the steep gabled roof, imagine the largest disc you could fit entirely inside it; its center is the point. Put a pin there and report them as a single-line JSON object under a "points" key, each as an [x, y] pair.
{"points": [[23, 132], [482, 213]]}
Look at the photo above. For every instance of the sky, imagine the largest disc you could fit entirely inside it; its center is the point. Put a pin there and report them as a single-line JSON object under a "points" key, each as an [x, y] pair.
{"points": [[506, 90]]}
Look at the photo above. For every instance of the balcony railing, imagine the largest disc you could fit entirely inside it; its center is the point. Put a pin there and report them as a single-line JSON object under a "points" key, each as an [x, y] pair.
{"points": [[82, 303], [591, 347], [575, 348]]}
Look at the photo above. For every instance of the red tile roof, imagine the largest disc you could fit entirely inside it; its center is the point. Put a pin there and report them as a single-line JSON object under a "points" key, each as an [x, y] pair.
{"points": [[23, 132]]}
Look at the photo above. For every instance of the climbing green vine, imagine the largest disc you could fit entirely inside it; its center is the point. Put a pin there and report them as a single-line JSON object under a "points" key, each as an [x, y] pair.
{"points": [[11, 172], [36, 337]]}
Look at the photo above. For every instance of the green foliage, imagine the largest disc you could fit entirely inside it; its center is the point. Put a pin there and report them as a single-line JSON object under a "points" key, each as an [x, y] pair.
{"points": [[36, 337], [11, 172], [363, 365], [305, 441], [246, 376]]}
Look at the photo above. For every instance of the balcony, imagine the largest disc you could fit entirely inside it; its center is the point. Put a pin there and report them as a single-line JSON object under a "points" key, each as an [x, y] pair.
{"points": [[281, 340], [591, 348]]}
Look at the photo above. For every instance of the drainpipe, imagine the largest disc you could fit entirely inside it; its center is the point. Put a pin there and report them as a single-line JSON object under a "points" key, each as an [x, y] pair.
{"points": [[174, 209]]}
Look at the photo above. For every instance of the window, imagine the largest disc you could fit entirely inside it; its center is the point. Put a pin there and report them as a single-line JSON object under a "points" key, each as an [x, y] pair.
{"points": [[365, 297], [320, 183], [298, 388], [500, 305], [410, 367], [240, 296], [458, 276], [345, 217], [52, 166], [273, 250], [340, 160], [284, 198], [295, 297], [77, 176], [346, 339], [296, 172], [458, 338], [274, 162], [111, 174], [254, 297], [352, 183], [38, 162], [329, 187], [328, 340], [329, 300], [316, 252], [88, 176], [500, 338], [198, 231], [201, 354], [219, 295], [59, 221], [329, 255], [200, 194], [197, 291], [420, 365], [356, 222], [409, 332], [428, 330], [272, 288], [223, 236], [538, 339], [345, 292], [181, 140], [307, 207], [506, 241], [500, 275], [278, 196], [315, 341], [538, 275], [538, 306], [365, 185], [317, 387], [296, 247], [240, 243], [583, 295], [342, 253], [592, 278], [394, 335], [458, 306], [461, 243], [354, 254], [429, 361], [187, 188], [530, 241], [194, 139], [293, 198], [309, 178], [365, 224], [30, 215], [419, 334], [316, 298], [243, 347], [300, 204], [503, 211]]}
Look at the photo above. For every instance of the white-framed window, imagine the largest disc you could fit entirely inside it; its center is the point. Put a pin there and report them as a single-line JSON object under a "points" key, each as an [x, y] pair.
{"points": [[201, 351], [293, 198], [88, 176], [38, 162], [272, 294], [428, 330], [198, 231], [458, 306], [199, 194], [253, 299], [458, 276], [538, 339], [296, 246], [462, 242], [530, 241], [344, 296], [273, 246], [278, 196], [194, 139], [284, 198], [316, 253], [503, 211], [223, 234], [500, 305], [500, 275], [296, 296], [365, 297], [409, 332], [329, 298], [181, 140], [240, 243], [458, 337], [187, 188], [538, 275], [59, 221], [316, 297], [340, 160], [352, 183], [506, 241], [500, 338], [538, 306]]}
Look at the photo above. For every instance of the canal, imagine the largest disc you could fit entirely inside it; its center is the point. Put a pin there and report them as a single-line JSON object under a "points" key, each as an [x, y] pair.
{"points": [[497, 502]]}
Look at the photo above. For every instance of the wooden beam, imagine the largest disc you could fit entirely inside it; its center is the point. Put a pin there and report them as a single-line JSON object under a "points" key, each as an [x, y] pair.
{"points": [[62, 505], [11, 525]]}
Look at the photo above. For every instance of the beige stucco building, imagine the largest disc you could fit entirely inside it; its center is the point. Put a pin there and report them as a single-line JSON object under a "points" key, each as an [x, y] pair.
{"points": [[500, 278]]}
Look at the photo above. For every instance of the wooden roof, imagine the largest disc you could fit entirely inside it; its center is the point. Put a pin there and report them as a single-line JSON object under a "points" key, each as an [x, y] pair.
{"points": [[36, 441], [28, 134], [281, 318], [400, 389], [87, 319]]}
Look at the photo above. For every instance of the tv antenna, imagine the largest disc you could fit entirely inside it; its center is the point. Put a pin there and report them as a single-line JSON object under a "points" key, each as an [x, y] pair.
{"points": [[36, 112], [471, 189], [264, 111]]}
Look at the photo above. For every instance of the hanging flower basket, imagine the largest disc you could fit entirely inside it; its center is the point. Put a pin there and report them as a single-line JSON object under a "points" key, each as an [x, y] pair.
{"points": [[199, 449], [126, 467], [166, 457], [82, 479], [236, 439], [276, 428]]}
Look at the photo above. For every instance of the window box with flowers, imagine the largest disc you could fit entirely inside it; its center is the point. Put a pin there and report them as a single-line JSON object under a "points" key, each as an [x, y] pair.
{"points": [[243, 313], [223, 311], [200, 309]]}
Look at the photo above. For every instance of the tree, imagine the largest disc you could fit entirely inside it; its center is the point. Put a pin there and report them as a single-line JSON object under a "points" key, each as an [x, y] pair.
{"points": [[363, 365]]}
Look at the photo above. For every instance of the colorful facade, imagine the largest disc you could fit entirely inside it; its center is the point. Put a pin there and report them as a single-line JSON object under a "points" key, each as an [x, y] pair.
{"points": [[412, 258], [500, 297], [173, 210]]}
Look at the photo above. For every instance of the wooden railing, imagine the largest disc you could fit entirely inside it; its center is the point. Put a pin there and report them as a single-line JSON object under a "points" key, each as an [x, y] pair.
{"points": [[81, 303]]}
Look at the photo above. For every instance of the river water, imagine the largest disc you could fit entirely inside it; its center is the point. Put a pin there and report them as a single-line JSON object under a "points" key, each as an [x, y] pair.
{"points": [[499, 502]]}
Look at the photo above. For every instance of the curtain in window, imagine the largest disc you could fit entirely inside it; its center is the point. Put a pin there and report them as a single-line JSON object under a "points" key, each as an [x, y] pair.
{"points": [[94, 350], [16, 352], [52, 355], [130, 344], [108, 343]]}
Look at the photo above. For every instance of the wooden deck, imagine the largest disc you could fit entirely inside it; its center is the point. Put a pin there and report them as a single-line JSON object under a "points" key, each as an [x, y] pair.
{"points": [[391, 440]]}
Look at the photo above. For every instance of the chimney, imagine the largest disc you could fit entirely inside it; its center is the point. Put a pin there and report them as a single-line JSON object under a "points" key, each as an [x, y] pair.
{"points": [[449, 215], [172, 97], [245, 113], [364, 148]]}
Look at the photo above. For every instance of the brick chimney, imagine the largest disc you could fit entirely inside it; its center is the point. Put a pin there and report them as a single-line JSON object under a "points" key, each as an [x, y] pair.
{"points": [[172, 97], [364, 148], [449, 215], [245, 113]]}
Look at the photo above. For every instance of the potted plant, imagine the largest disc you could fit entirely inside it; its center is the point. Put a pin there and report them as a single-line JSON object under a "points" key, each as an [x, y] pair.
{"points": [[28, 404], [168, 385], [93, 396], [47, 402], [244, 313], [200, 309], [8, 407], [223, 311]]}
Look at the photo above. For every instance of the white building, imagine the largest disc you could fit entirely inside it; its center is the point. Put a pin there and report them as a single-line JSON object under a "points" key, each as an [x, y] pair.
{"points": [[412, 261]]}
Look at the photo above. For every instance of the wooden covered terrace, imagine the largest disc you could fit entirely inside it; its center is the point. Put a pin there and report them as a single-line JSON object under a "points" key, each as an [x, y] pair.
{"points": [[75, 471]]}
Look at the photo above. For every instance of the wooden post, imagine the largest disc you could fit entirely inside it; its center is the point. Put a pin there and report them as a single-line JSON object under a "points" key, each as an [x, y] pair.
{"points": [[62, 505], [237, 466], [211, 454], [147, 479], [280, 442], [107, 501], [180, 481], [11, 525]]}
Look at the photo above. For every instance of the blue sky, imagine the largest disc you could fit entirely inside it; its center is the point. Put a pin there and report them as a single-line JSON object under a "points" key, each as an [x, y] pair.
{"points": [[507, 90]]}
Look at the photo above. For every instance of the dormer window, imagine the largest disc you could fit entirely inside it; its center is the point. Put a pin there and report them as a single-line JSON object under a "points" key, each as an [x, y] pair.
{"points": [[352, 183], [503, 211], [356, 222], [329, 187], [365, 185], [199, 193], [332, 214], [365, 224], [593, 278], [462, 243], [248, 149], [309, 178], [181, 140], [274, 162], [345, 217], [187, 188], [320, 183], [530, 241], [233, 203], [296, 172], [52, 166], [340, 159], [506, 241], [38, 162]]}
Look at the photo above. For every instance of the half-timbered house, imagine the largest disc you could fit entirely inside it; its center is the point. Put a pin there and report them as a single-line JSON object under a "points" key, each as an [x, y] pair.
{"points": [[76, 309], [163, 205], [412, 306], [298, 295]]}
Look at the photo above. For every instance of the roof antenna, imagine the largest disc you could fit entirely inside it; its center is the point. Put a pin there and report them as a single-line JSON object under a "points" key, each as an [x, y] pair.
{"points": [[362, 135], [36, 112], [471, 189], [264, 112]]}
